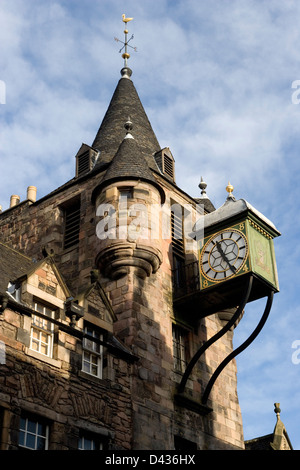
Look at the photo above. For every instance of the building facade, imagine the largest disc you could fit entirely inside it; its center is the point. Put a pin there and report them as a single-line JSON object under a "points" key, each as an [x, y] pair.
{"points": [[93, 345]]}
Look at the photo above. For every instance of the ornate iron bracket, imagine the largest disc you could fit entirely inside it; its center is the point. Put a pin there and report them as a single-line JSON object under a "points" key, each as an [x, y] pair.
{"points": [[217, 336], [213, 339], [240, 348]]}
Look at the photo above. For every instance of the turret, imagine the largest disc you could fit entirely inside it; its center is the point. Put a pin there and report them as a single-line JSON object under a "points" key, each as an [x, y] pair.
{"points": [[128, 202]]}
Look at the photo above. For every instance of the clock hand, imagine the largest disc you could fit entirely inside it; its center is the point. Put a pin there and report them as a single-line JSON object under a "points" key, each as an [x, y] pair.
{"points": [[233, 268]]}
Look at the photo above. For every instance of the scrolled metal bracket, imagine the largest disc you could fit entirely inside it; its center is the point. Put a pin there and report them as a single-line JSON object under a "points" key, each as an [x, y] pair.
{"points": [[217, 336], [221, 333], [241, 348]]}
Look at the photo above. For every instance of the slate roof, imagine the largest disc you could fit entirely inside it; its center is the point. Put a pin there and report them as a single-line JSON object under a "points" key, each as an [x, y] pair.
{"points": [[125, 103], [13, 265], [260, 443], [129, 163], [207, 204]]}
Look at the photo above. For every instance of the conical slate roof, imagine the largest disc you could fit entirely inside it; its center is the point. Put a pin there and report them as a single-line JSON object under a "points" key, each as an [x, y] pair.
{"points": [[125, 103], [129, 163]]}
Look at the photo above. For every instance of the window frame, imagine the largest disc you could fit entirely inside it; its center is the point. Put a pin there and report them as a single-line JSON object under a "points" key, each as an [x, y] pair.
{"points": [[179, 348], [85, 438], [37, 436], [92, 351], [126, 192], [38, 323]]}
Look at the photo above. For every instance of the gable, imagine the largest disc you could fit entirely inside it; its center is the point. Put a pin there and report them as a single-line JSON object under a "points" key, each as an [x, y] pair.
{"points": [[97, 308], [45, 282]]}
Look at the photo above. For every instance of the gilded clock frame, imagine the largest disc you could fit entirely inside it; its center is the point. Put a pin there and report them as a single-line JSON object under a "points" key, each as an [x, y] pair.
{"points": [[241, 230]]}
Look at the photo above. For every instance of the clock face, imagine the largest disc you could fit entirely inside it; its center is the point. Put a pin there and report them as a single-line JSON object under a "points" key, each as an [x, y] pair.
{"points": [[223, 255]]}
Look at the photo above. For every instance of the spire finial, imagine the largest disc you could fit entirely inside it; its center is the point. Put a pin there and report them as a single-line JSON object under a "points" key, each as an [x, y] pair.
{"points": [[125, 54], [229, 189], [128, 126], [277, 410], [202, 185]]}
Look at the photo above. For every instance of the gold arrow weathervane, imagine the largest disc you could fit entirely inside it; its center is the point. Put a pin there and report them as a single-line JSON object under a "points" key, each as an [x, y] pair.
{"points": [[126, 55]]}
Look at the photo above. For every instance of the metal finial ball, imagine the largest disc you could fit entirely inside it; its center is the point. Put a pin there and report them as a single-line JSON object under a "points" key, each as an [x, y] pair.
{"points": [[128, 125], [126, 72], [202, 184]]}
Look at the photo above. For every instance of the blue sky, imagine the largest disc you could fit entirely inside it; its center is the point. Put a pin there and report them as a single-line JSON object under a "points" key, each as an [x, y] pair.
{"points": [[216, 80]]}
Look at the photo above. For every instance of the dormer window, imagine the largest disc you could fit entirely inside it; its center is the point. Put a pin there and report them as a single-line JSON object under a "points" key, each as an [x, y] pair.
{"points": [[166, 163], [42, 329], [92, 359], [85, 159]]}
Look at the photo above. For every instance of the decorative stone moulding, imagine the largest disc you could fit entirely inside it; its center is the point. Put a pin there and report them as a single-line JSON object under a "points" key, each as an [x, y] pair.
{"points": [[116, 260], [226, 315]]}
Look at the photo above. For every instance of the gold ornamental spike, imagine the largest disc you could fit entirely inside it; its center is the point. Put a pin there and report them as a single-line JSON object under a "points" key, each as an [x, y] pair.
{"points": [[229, 189]]}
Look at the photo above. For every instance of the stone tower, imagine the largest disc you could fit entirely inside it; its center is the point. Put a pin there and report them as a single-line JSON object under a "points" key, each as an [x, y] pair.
{"points": [[111, 252]]}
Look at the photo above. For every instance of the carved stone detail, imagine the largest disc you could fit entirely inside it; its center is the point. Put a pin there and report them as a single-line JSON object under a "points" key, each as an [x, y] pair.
{"points": [[116, 259]]}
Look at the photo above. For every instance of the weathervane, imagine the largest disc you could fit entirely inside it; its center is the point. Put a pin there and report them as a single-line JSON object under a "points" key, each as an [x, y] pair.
{"points": [[125, 55]]}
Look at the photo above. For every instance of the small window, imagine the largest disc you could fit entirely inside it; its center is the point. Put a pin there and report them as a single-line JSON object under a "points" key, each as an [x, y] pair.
{"points": [[179, 274], [126, 193], [184, 444], [72, 225], [42, 329], [92, 358], [89, 442], [33, 433], [179, 348]]}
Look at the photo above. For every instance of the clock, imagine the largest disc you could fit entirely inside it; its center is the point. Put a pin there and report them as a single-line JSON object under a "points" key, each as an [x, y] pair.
{"points": [[224, 255], [235, 244]]}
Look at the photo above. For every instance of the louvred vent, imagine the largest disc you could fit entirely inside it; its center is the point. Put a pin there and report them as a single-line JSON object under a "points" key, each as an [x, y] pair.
{"points": [[85, 159], [83, 164], [165, 163]]}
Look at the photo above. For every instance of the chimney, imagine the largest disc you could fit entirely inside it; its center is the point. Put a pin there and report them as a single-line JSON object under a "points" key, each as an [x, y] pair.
{"points": [[14, 200], [31, 193]]}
